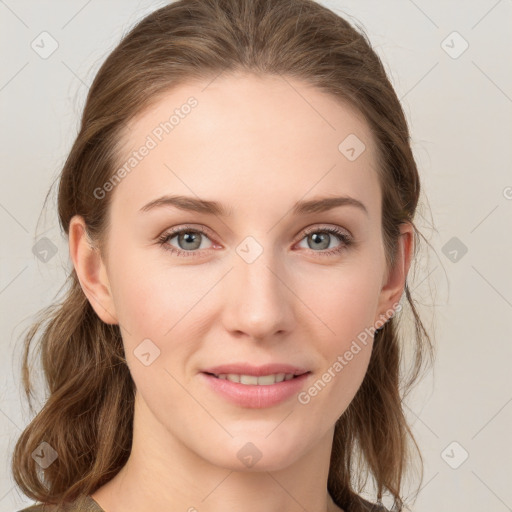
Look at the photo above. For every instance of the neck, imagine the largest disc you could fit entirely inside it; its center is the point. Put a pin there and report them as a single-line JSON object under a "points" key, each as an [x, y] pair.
{"points": [[162, 473]]}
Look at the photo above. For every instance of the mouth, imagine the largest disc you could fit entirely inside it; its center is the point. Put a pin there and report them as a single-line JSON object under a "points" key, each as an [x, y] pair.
{"points": [[254, 380], [256, 391]]}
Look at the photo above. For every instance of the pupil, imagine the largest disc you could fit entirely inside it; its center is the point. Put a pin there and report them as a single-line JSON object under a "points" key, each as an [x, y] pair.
{"points": [[190, 238], [319, 238]]}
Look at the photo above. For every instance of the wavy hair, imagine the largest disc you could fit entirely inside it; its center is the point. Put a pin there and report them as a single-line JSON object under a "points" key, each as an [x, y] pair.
{"points": [[87, 417]]}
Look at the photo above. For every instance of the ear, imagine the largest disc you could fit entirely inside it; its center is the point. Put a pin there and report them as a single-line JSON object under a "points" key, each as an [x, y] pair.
{"points": [[394, 282], [91, 271]]}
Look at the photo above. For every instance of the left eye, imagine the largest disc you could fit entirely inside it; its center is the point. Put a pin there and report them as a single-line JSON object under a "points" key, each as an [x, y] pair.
{"points": [[190, 241], [321, 238]]}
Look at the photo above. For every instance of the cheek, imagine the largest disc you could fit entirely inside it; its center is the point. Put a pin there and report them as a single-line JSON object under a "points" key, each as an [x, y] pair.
{"points": [[345, 301], [164, 305], [344, 335], [342, 378], [151, 295], [345, 340]]}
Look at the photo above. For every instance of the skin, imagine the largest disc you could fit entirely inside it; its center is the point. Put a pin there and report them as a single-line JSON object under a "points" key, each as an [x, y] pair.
{"points": [[257, 145]]}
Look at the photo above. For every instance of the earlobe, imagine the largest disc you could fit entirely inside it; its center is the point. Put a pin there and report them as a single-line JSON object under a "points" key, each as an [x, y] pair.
{"points": [[91, 271], [394, 286]]}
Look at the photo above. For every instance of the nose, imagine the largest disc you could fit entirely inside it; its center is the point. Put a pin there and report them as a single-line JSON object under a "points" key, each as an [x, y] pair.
{"points": [[259, 302]]}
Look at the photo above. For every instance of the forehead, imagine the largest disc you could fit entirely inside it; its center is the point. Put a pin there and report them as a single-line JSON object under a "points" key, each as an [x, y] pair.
{"points": [[244, 139]]}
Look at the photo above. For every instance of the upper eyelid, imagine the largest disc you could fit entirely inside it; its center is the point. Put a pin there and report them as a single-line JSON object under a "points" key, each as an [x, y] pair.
{"points": [[314, 228]]}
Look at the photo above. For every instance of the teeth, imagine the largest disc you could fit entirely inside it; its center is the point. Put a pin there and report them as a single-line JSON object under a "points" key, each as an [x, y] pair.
{"points": [[263, 380]]}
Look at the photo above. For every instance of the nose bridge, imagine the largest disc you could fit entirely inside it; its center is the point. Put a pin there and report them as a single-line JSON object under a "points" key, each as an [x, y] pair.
{"points": [[257, 303]]}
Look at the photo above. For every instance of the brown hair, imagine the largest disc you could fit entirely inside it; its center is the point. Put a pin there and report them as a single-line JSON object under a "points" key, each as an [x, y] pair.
{"points": [[88, 415]]}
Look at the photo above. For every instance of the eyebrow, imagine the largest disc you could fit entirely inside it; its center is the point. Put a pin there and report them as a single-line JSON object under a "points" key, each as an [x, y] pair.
{"points": [[204, 206]]}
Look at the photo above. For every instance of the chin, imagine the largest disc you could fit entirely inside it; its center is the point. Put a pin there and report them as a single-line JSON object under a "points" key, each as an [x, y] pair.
{"points": [[257, 453]]}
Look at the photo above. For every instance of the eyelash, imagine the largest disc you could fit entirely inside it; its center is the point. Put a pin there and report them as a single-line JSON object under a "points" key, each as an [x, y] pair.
{"points": [[165, 237]]}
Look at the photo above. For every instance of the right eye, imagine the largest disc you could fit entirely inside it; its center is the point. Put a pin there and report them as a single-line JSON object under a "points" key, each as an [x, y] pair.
{"points": [[189, 238]]}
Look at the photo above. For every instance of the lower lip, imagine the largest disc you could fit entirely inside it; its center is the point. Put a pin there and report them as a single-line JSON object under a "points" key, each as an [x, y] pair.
{"points": [[256, 396]]}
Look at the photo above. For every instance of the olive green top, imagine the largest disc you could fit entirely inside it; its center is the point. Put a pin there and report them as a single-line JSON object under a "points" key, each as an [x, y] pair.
{"points": [[87, 504], [82, 504]]}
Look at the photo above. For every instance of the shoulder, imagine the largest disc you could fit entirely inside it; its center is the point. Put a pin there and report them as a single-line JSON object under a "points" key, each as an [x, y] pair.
{"points": [[81, 504], [36, 508], [40, 507]]}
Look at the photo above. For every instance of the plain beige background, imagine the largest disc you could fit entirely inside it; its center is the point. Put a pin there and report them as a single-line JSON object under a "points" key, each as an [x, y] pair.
{"points": [[450, 65]]}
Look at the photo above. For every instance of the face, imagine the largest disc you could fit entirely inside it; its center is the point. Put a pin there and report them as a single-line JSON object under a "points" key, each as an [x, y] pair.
{"points": [[256, 280]]}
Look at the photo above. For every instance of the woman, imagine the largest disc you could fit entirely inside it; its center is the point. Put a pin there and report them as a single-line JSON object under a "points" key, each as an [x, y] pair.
{"points": [[239, 204]]}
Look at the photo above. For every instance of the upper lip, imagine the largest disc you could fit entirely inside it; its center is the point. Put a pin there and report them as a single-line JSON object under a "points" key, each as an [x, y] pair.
{"points": [[258, 371]]}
